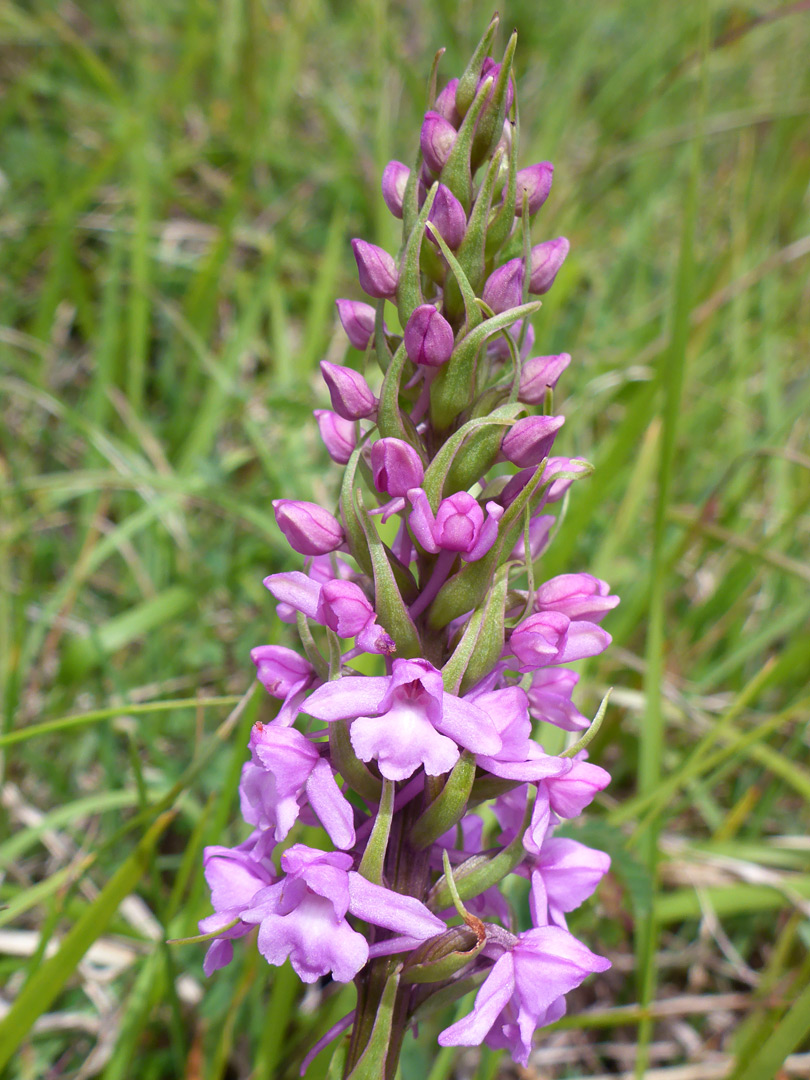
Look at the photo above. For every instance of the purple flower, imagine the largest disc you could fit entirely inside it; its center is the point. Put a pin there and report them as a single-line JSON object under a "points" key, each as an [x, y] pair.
{"points": [[350, 393], [376, 269], [550, 699], [523, 990], [234, 876], [547, 258], [549, 637], [303, 916], [285, 675], [447, 214], [428, 337], [535, 182], [396, 466], [458, 525], [579, 596], [437, 139], [307, 527], [540, 374], [394, 181], [405, 719], [504, 287], [519, 758], [563, 874], [529, 440], [357, 319], [285, 770], [567, 795], [338, 435]]}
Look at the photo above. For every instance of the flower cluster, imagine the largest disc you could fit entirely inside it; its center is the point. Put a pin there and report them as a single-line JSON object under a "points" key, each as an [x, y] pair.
{"points": [[429, 655]]}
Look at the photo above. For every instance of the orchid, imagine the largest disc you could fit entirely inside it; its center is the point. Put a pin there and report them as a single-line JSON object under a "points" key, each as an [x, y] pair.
{"points": [[431, 652]]}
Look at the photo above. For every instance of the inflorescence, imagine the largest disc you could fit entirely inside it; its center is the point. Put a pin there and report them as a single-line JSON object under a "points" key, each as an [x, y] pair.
{"points": [[427, 651]]}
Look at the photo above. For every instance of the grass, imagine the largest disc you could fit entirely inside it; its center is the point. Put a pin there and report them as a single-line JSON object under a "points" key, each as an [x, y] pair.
{"points": [[180, 182]]}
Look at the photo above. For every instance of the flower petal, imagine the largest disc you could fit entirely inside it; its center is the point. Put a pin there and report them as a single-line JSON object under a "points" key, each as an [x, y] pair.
{"points": [[384, 907], [491, 999], [468, 725], [330, 804], [343, 699]]}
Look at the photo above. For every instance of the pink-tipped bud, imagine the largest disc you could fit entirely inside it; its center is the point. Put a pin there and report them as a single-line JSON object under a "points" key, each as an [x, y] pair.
{"points": [[376, 269], [447, 214], [350, 393], [428, 338], [529, 440], [504, 287], [307, 527], [394, 181], [535, 183], [540, 373], [281, 671], [557, 488], [437, 139], [357, 319], [579, 596], [396, 467], [549, 637], [344, 608], [445, 104], [491, 69], [547, 258], [337, 434]]}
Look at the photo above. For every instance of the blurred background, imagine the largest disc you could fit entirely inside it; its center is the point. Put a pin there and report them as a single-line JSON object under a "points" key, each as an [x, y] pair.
{"points": [[179, 184]]}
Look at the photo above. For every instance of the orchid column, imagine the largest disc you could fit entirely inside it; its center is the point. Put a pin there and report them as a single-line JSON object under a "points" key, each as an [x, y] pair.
{"points": [[427, 649]]}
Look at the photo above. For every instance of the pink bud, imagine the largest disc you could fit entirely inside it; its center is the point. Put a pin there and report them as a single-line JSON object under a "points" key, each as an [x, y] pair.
{"points": [[437, 139], [539, 531], [396, 467], [344, 608], [549, 637], [350, 393], [547, 258], [529, 440], [504, 287], [308, 528], [376, 269], [337, 434], [445, 104], [428, 338], [557, 488], [579, 596], [535, 182], [447, 214], [539, 374], [280, 670], [394, 181], [358, 321]]}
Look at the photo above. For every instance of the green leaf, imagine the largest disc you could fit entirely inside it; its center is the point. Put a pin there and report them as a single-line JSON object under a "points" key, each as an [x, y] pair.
{"points": [[409, 287], [371, 1064], [789, 1033], [467, 84], [448, 808], [45, 983], [371, 865]]}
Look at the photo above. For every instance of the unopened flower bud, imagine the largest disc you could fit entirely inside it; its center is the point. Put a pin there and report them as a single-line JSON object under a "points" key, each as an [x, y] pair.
{"points": [[358, 321], [540, 373], [337, 434], [549, 637], [350, 393], [428, 337], [491, 69], [529, 440], [557, 488], [308, 528], [376, 269], [396, 467], [547, 258], [344, 608], [535, 183], [394, 181], [445, 104], [579, 596], [447, 214], [504, 287], [280, 670], [437, 139]]}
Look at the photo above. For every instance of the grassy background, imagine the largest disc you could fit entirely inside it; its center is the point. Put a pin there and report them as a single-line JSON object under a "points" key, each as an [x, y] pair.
{"points": [[180, 181]]}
